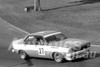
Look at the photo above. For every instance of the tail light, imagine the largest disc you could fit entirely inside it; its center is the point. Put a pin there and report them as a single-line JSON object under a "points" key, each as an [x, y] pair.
{"points": [[13, 50]]}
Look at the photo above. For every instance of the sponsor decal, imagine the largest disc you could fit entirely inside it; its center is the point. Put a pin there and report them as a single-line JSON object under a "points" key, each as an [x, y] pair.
{"points": [[41, 51], [91, 54]]}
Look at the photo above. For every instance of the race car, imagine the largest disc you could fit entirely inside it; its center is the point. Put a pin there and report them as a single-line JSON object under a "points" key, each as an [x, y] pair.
{"points": [[50, 44]]}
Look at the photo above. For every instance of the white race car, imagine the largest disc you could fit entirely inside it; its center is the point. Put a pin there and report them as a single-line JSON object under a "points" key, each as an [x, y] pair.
{"points": [[50, 44]]}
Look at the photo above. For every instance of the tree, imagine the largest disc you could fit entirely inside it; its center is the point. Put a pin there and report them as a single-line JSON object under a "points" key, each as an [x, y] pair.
{"points": [[37, 6]]}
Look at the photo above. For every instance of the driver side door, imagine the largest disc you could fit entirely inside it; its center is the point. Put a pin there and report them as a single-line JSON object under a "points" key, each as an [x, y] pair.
{"points": [[41, 46], [30, 45]]}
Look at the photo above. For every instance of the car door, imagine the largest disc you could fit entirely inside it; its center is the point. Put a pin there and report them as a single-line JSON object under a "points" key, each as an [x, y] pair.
{"points": [[41, 48], [30, 45]]}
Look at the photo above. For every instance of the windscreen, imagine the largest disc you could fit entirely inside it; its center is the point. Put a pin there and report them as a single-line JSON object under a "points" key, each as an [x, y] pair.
{"points": [[56, 37]]}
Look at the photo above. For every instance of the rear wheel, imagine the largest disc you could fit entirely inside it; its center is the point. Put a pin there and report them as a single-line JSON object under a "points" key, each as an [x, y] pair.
{"points": [[23, 54], [58, 57]]}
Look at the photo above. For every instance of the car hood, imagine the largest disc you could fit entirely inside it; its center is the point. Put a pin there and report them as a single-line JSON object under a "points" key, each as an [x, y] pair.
{"points": [[70, 42]]}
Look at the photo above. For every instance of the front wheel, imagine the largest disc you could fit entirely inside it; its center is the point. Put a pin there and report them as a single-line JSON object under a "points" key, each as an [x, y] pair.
{"points": [[58, 57], [23, 54]]}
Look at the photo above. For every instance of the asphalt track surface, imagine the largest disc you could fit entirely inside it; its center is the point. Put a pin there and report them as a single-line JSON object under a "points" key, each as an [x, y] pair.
{"points": [[9, 59]]}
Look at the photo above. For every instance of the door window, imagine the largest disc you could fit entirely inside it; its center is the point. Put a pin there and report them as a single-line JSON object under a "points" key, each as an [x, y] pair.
{"points": [[40, 41], [30, 40]]}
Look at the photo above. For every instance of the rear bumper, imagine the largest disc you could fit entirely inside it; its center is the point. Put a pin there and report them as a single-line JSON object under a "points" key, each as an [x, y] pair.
{"points": [[79, 54]]}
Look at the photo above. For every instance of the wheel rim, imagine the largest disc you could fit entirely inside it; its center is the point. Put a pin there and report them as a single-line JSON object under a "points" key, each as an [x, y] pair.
{"points": [[58, 57], [22, 55]]}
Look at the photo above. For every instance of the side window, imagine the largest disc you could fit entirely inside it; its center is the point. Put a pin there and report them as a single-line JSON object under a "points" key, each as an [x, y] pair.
{"points": [[40, 41], [30, 40], [50, 39]]}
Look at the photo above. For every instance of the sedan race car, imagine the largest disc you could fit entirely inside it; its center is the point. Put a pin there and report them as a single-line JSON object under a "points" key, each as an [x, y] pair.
{"points": [[50, 44]]}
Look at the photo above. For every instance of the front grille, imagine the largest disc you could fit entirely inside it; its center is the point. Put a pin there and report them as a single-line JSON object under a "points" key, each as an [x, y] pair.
{"points": [[87, 45]]}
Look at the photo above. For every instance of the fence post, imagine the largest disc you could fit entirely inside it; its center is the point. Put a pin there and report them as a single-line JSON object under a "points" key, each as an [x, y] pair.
{"points": [[37, 6]]}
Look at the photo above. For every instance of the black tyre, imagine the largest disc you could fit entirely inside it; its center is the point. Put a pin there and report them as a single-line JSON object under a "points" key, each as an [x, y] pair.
{"points": [[58, 57], [23, 54]]}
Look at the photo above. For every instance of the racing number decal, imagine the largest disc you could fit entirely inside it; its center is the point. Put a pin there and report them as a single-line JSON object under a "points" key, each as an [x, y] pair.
{"points": [[41, 51]]}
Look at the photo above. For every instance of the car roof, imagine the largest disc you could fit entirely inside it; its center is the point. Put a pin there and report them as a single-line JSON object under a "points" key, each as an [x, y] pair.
{"points": [[45, 33]]}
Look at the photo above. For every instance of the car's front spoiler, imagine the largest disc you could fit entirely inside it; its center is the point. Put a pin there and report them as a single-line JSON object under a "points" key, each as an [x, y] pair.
{"points": [[78, 54]]}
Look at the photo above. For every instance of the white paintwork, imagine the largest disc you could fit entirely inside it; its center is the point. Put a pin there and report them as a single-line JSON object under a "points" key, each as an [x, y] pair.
{"points": [[42, 50], [45, 47]]}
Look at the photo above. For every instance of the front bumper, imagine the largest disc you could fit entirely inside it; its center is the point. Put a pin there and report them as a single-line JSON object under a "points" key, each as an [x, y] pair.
{"points": [[79, 54]]}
